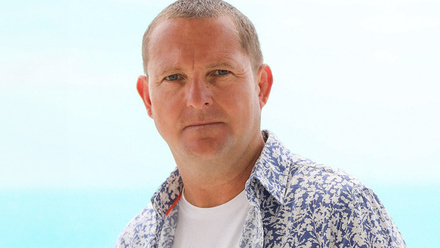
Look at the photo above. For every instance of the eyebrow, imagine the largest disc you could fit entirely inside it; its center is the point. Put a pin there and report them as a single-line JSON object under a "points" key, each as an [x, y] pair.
{"points": [[176, 69], [170, 69], [222, 64]]}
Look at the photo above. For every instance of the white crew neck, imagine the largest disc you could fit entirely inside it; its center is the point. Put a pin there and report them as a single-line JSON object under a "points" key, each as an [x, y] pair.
{"points": [[215, 227]]}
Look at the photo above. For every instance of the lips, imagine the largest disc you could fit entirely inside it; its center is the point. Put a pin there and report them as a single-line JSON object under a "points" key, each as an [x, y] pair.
{"points": [[202, 124]]}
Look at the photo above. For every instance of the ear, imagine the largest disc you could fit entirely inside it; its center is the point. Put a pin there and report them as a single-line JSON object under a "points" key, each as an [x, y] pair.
{"points": [[144, 92], [265, 81]]}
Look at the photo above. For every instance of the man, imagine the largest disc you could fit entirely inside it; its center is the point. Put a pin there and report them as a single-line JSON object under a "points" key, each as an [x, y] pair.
{"points": [[235, 185]]}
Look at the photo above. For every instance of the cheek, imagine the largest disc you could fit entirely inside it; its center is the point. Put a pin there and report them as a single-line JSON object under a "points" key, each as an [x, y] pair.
{"points": [[165, 108], [241, 102], [165, 116], [163, 100]]}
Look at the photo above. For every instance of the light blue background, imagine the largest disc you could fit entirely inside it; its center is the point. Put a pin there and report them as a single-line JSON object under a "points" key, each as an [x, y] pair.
{"points": [[355, 87]]}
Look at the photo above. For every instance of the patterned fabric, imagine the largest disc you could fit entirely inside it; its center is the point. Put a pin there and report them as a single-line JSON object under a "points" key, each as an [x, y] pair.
{"points": [[294, 203]]}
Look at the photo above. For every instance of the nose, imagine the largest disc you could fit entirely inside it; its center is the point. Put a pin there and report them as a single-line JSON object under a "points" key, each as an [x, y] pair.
{"points": [[199, 94]]}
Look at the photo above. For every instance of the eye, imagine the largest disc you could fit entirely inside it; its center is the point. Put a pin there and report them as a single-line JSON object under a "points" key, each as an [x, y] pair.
{"points": [[173, 77], [222, 72]]}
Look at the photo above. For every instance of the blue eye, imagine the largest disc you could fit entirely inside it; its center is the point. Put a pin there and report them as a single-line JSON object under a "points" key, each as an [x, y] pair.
{"points": [[222, 72], [173, 77]]}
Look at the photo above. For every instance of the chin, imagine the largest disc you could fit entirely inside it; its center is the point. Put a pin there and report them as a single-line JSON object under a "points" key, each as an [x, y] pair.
{"points": [[208, 148], [204, 141]]}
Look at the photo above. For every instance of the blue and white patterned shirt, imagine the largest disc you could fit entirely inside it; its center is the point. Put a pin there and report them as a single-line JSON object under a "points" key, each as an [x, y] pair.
{"points": [[294, 203]]}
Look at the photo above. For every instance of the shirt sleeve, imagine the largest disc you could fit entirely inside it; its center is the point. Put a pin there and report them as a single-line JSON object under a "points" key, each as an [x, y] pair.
{"points": [[364, 222]]}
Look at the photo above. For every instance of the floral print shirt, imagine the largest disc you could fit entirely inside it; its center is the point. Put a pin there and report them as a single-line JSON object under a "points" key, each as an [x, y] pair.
{"points": [[294, 203]]}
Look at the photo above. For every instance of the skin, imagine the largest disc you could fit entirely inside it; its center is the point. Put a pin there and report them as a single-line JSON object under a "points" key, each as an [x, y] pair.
{"points": [[206, 103]]}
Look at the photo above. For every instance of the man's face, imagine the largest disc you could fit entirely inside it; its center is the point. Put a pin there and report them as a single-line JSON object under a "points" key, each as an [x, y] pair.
{"points": [[201, 91]]}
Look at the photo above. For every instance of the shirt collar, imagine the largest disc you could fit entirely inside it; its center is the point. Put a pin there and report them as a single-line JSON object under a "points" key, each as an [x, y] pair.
{"points": [[271, 170], [168, 194]]}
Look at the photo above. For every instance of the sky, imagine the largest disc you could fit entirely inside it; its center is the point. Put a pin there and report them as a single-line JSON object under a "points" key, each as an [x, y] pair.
{"points": [[355, 87]]}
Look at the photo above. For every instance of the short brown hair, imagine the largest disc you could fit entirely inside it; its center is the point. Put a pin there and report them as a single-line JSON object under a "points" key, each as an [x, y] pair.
{"points": [[193, 9]]}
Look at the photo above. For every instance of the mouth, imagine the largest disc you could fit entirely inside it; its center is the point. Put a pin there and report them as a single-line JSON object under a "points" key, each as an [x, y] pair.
{"points": [[202, 125]]}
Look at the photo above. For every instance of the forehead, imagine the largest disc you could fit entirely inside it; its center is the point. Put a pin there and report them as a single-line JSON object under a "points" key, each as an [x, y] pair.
{"points": [[194, 27], [196, 38]]}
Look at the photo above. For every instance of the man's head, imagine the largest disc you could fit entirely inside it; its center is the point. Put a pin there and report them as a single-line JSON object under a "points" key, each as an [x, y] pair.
{"points": [[200, 9], [202, 88]]}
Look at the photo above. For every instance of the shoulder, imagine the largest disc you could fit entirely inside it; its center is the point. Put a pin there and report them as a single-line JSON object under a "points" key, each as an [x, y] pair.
{"points": [[327, 187], [336, 201], [319, 178], [139, 231]]}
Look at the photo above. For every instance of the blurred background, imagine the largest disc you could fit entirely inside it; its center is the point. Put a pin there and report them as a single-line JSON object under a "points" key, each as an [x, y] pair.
{"points": [[355, 87]]}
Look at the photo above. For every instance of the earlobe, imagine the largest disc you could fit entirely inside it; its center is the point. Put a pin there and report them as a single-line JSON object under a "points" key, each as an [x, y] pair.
{"points": [[144, 91], [265, 81]]}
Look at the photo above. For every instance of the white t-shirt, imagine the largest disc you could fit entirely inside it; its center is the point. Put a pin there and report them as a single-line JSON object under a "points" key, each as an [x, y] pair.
{"points": [[215, 227]]}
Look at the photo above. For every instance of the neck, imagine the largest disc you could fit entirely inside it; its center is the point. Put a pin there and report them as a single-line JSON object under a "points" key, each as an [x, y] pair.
{"points": [[215, 182]]}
